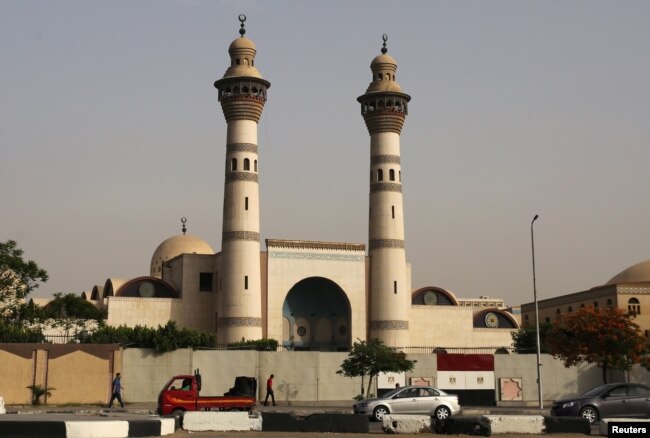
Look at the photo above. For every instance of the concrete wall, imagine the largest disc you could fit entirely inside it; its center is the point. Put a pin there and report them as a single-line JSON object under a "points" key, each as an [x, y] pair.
{"points": [[83, 373], [76, 373]]}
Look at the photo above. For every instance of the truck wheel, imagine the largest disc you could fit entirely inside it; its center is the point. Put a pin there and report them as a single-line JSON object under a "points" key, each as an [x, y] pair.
{"points": [[178, 417]]}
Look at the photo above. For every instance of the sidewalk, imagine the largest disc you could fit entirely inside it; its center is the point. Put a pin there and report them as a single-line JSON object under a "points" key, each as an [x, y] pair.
{"points": [[298, 408]]}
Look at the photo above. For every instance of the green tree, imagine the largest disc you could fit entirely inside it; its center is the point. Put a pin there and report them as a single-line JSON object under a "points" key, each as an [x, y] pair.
{"points": [[606, 337], [18, 277], [15, 333], [369, 358], [71, 306], [525, 339]]}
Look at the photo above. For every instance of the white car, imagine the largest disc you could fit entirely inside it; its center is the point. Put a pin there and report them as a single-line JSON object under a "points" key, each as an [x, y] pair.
{"points": [[422, 400]]}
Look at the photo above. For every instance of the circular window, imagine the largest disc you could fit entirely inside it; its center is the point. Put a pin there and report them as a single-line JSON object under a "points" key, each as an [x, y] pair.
{"points": [[343, 330], [430, 298], [301, 331], [146, 289], [492, 320]]}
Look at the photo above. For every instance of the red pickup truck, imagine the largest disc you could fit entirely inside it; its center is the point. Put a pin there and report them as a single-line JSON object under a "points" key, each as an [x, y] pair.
{"points": [[182, 393]]}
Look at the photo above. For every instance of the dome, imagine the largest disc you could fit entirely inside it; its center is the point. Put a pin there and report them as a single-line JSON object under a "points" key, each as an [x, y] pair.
{"points": [[242, 59], [383, 75], [242, 43], [175, 246], [634, 274]]}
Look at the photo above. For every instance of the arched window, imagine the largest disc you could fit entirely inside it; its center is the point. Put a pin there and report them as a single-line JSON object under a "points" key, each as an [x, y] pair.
{"points": [[247, 164], [609, 302], [400, 176], [255, 165], [391, 174], [633, 306], [380, 175], [233, 164], [570, 309], [596, 304]]}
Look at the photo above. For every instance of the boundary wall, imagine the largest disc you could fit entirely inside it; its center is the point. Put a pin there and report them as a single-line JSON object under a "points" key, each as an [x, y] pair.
{"points": [[83, 373]]}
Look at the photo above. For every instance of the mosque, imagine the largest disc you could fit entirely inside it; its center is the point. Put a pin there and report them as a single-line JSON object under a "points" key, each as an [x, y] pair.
{"points": [[308, 295]]}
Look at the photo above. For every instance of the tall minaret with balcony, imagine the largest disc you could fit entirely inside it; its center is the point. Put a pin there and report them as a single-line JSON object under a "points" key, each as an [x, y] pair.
{"points": [[242, 93], [384, 107]]}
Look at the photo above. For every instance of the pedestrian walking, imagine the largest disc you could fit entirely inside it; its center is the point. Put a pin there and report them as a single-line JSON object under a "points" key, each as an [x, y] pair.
{"points": [[116, 391], [269, 391]]}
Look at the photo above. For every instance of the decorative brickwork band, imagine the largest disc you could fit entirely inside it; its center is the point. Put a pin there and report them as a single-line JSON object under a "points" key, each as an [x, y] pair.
{"points": [[389, 325], [378, 159], [385, 187], [242, 98], [385, 243], [241, 176], [242, 147], [242, 321], [240, 235]]}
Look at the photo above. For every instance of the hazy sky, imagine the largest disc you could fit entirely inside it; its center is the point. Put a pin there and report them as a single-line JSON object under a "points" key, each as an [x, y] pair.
{"points": [[110, 132]]}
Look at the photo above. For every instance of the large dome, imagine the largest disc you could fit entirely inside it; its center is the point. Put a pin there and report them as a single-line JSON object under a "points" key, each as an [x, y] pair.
{"points": [[634, 274], [175, 246]]}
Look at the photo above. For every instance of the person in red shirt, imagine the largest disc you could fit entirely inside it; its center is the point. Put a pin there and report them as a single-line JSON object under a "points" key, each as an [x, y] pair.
{"points": [[269, 391]]}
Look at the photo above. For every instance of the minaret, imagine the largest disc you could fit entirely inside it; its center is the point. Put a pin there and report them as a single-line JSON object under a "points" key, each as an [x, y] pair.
{"points": [[242, 93], [384, 108]]}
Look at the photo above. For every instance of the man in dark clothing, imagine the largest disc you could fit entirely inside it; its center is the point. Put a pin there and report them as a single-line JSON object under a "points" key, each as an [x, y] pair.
{"points": [[269, 391], [116, 391]]}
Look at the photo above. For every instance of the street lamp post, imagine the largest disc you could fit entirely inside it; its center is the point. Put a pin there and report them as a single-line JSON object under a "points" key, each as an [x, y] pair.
{"points": [[539, 364]]}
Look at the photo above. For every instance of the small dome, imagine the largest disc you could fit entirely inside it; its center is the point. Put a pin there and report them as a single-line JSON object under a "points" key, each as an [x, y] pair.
{"points": [[175, 246], [634, 274], [242, 43], [242, 59], [383, 61], [383, 75]]}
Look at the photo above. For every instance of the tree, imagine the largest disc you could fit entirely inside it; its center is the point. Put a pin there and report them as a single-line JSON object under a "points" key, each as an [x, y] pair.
{"points": [[607, 337], [17, 279], [71, 306], [525, 339], [369, 358]]}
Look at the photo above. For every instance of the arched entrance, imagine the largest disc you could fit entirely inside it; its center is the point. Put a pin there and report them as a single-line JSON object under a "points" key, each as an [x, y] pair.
{"points": [[316, 316]]}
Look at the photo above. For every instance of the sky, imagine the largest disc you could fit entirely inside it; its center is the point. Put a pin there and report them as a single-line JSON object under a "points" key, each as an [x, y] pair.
{"points": [[110, 132]]}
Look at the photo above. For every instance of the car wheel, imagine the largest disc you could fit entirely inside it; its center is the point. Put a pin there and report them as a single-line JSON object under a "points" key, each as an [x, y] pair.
{"points": [[379, 413], [590, 413], [441, 412]]}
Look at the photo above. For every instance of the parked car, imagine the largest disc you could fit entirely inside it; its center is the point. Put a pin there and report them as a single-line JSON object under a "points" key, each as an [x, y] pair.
{"points": [[422, 400], [614, 400]]}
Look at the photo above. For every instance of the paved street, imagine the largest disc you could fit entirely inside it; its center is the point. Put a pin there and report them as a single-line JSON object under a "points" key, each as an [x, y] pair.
{"points": [[147, 410]]}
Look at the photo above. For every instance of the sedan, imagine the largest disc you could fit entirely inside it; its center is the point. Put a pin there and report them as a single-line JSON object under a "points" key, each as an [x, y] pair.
{"points": [[614, 400], [422, 400]]}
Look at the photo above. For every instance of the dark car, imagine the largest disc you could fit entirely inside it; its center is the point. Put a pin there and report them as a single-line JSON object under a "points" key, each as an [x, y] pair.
{"points": [[614, 400]]}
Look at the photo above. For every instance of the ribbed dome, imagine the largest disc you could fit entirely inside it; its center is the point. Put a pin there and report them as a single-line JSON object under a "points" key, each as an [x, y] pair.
{"points": [[175, 246], [634, 274]]}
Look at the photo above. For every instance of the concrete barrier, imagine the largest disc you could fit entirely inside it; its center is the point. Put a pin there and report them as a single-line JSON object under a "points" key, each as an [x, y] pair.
{"points": [[412, 424], [96, 429], [462, 425], [567, 425], [167, 426], [603, 427], [221, 422], [332, 423], [531, 424]]}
